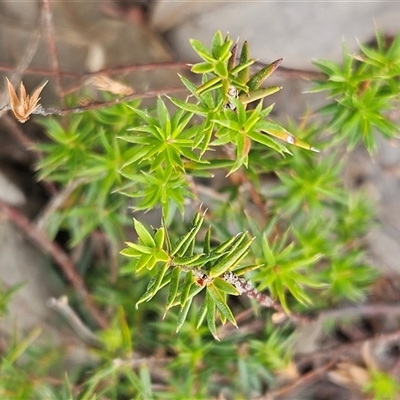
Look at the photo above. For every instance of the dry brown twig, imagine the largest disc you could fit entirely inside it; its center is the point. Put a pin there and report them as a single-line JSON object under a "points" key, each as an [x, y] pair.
{"points": [[51, 46], [39, 110], [61, 306], [59, 257], [300, 384], [348, 349], [30, 51]]}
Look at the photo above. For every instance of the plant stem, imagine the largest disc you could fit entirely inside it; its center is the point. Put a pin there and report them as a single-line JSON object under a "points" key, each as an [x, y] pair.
{"points": [[59, 256], [300, 384], [51, 46], [100, 104]]}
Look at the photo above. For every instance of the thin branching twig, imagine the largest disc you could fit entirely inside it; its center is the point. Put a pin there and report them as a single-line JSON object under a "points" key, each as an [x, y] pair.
{"points": [[45, 111], [154, 66], [41, 71], [348, 348], [18, 71], [62, 307], [51, 46], [244, 287], [300, 384], [58, 255], [362, 310]]}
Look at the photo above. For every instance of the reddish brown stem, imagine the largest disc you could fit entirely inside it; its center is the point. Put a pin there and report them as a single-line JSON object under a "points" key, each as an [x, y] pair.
{"points": [[51, 45], [58, 255], [105, 71], [100, 104], [41, 71], [348, 348], [301, 383], [141, 67], [281, 71]]}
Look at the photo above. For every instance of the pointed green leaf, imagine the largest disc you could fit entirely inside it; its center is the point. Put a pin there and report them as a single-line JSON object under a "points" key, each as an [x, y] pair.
{"points": [[221, 304], [183, 312], [223, 247], [258, 94], [180, 243], [201, 50], [268, 141], [280, 291], [146, 260], [140, 248], [202, 68], [239, 68], [279, 132], [173, 286], [190, 237], [223, 52], [255, 82], [22, 345], [221, 69], [207, 241], [156, 283], [210, 308], [159, 237], [202, 314], [230, 260], [187, 284], [163, 118], [239, 271], [243, 75], [161, 255], [188, 261], [129, 252], [213, 83], [216, 42], [267, 252], [125, 332], [144, 235], [190, 107], [225, 286]]}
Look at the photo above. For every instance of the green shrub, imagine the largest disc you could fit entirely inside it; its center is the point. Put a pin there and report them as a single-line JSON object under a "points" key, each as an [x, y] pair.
{"points": [[283, 237]]}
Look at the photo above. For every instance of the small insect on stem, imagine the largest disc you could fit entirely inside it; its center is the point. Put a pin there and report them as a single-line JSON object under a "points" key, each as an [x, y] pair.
{"points": [[201, 280]]}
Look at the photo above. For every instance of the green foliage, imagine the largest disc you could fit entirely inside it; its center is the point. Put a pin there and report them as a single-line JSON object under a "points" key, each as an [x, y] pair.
{"points": [[166, 148], [364, 89], [6, 296], [283, 267], [303, 245], [15, 383], [203, 270], [307, 191], [382, 386], [85, 149]]}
